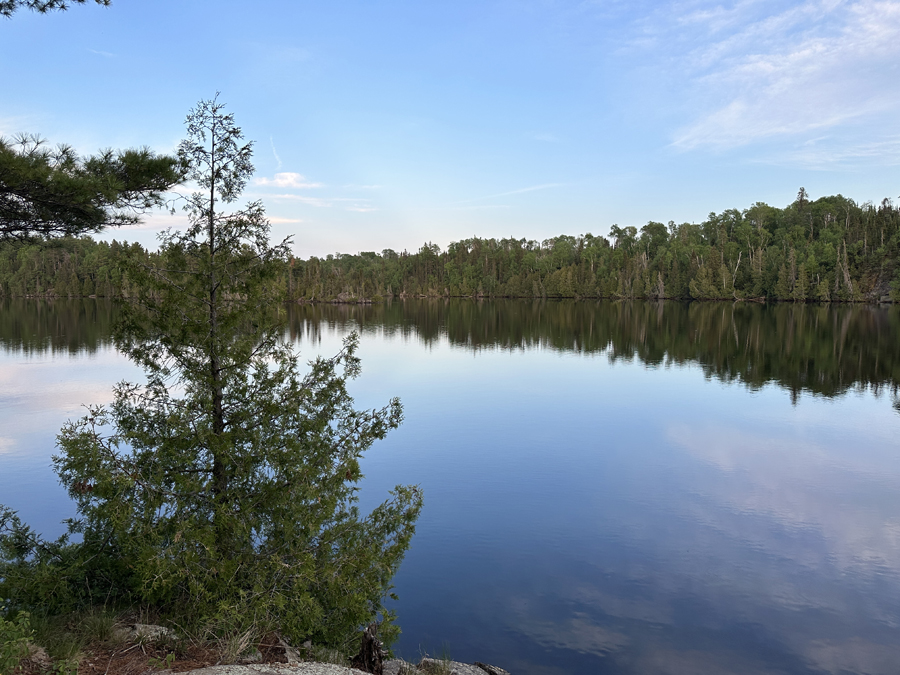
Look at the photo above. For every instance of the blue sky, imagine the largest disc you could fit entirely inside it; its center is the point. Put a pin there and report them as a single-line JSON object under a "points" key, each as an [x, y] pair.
{"points": [[389, 124]]}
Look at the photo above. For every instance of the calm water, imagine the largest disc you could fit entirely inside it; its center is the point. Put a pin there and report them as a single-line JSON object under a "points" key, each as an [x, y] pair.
{"points": [[610, 488]]}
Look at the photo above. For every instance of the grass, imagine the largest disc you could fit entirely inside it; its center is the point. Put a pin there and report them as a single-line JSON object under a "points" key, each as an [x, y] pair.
{"points": [[66, 637], [437, 665], [95, 642], [325, 655]]}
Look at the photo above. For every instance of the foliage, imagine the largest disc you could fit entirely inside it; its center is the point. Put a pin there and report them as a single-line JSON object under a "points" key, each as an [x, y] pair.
{"points": [[222, 491], [14, 638], [10, 7], [53, 192], [832, 249], [37, 574]]}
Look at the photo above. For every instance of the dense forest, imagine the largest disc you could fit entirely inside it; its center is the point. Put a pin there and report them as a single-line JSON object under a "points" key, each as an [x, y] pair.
{"points": [[831, 249]]}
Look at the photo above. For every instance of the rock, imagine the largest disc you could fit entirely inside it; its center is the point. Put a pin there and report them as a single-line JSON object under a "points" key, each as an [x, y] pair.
{"points": [[392, 667], [279, 669], [290, 654], [491, 670], [37, 657], [440, 667], [143, 631], [398, 667], [255, 657]]}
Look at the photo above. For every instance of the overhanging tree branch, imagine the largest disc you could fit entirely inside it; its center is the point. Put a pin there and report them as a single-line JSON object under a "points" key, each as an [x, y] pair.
{"points": [[10, 7], [53, 192]]}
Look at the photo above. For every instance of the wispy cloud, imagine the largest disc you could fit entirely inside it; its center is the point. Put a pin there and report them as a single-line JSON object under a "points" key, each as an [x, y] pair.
{"points": [[312, 201], [10, 126], [347, 203], [275, 152], [159, 220], [108, 55], [530, 188], [828, 153], [286, 179], [766, 71], [294, 181]]}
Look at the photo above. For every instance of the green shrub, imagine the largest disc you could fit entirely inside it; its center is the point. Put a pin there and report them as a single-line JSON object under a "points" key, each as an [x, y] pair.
{"points": [[14, 637]]}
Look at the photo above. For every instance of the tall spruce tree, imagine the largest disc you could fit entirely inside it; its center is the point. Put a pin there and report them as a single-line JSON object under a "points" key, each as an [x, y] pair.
{"points": [[223, 490]]}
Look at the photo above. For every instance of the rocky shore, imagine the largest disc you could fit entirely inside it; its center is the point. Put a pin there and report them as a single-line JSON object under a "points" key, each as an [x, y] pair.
{"points": [[147, 649], [393, 667]]}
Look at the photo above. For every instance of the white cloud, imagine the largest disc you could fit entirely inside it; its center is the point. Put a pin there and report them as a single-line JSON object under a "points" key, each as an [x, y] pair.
{"points": [[108, 55], [764, 73], [286, 179]]}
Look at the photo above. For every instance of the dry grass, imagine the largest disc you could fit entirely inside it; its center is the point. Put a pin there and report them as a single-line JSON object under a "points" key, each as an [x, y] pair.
{"points": [[104, 654]]}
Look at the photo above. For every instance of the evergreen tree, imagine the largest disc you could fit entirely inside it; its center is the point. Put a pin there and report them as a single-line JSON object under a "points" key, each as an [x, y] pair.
{"points": [[53, 192], [9, 7], [223, 490], [801, 288]]}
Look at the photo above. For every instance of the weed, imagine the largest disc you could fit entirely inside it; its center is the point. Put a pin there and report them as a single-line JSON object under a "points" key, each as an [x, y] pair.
{"points": [[98, 624], [65, 667], [326, 655], [14, 637], [441, 665], [163, 663]]}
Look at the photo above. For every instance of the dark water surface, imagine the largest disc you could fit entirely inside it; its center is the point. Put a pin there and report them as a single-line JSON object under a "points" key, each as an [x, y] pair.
{"points": [[609, 487]]}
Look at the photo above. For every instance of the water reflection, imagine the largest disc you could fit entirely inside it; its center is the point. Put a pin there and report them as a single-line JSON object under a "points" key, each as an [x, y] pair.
{"points": [[600, 497], [35, 326], [822, 349]]}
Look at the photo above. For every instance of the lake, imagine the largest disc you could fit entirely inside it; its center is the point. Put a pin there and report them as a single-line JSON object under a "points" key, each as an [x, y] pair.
{"points": [[653, 488]]}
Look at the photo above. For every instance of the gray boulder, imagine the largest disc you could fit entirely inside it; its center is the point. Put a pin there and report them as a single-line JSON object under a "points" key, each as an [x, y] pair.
{"points": [[278, 669], [439, 667]]}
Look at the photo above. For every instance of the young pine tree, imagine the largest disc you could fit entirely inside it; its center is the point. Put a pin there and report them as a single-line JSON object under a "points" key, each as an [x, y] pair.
{"points": [[223, 490]]}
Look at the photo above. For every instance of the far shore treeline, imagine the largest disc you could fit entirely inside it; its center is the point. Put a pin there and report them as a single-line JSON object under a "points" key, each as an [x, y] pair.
{"points": [[829, 250]]}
